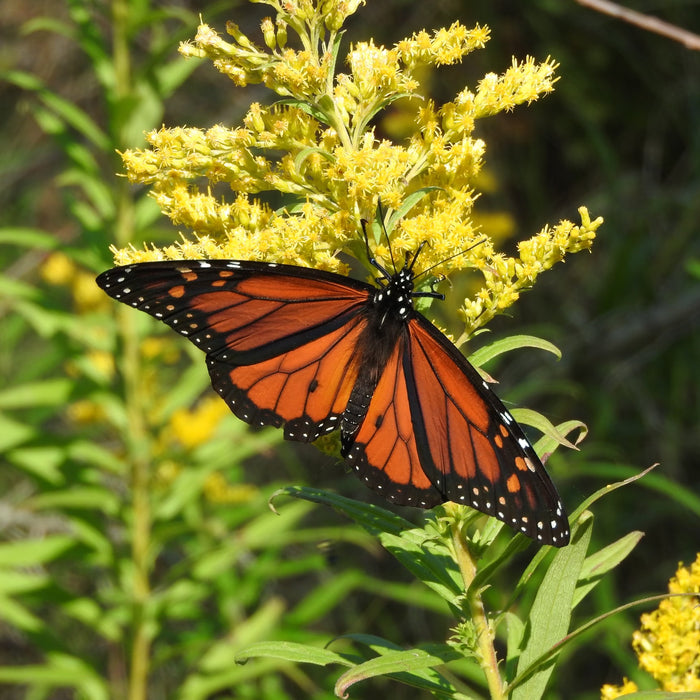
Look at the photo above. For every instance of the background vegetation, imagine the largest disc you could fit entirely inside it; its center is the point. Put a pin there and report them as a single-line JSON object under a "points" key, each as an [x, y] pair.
{"points": [[620, 135]]}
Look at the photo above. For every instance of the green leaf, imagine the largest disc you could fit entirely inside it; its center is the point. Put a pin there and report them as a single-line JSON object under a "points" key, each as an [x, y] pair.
{"points": [[60, 670], [92, 615], [335, 49], [406, 205], [28, 237], [174, 73], [259, 532], [547, 444], [48, 24], [425, 557], [67, 112], [515, 631], [411, 664], [14, 289], [14, 582], [95, 455], [429, 561], [656, 481], [81, 497], [306, 152], [48, 392], [94, 44], [529, 417], [205, 686], [93, 536], [361, 126], [661, 695], [609, 488], [599, 563], [550, 616], [48, 322], [325, 598], [373, 518], [292, 651], [262, 623], [13, 433], [42, 461], [31, 552], [513, 342], [98, 191], [312, 110], [16, 614]]}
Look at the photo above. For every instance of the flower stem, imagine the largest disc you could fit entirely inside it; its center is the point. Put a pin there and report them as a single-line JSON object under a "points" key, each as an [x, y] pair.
{"points": [[488, 660], [136, 435]]}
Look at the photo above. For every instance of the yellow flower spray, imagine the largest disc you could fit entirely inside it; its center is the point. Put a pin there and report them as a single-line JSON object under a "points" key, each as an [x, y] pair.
{"points": [[318, 149], [668, 641]]}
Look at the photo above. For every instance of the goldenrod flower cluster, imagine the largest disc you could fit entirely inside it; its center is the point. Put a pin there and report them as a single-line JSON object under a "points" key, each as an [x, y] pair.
{"points": [[611, 692], [668, 642], [318, 149]]}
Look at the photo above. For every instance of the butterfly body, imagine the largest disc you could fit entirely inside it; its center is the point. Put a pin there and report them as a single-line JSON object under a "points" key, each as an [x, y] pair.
{"points": [[314, 352], [385, 317]]}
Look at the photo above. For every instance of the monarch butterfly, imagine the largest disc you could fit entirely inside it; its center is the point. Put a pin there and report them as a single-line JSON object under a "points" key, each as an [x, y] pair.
{"points": [[315, 351]]}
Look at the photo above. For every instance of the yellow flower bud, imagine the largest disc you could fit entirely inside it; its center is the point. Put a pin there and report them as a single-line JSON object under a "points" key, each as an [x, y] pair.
{"points": [[268, 30], [281, 32]]}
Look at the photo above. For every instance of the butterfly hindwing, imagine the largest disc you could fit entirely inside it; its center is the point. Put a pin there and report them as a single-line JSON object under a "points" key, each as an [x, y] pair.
{"points": [[306, 389], [383, 451], [471, 448]]}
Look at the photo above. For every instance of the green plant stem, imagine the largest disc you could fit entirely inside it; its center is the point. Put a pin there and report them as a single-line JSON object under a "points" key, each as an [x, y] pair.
{"points": [[488, 659], [136, 438], [138, 458]]}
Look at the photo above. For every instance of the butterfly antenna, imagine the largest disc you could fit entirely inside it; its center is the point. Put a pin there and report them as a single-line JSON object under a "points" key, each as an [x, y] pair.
{"points": [[442, 262], [370, 258], [380, 216]]}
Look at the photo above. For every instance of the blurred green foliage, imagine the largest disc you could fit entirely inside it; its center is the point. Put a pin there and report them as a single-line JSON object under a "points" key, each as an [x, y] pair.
{"points": [[620, 134]]}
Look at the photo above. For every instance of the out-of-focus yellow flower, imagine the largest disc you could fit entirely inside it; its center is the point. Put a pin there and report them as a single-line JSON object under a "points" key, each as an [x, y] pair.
{"points": [[161, 348], [195, 427], [86, 294], [85, 412], [319, 149], [96, 364], [218, 490], [610, 692], [102, 362], [58, 269], [668, 642], [167, 472]]}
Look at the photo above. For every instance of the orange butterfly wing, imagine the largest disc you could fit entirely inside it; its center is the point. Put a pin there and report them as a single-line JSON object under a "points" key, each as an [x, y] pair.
{"points": [[436, 432], [383, 451], [279, 340]]}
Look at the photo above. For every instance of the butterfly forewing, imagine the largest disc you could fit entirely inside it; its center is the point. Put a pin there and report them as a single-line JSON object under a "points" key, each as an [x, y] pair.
{"points": [[239, 311]]}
